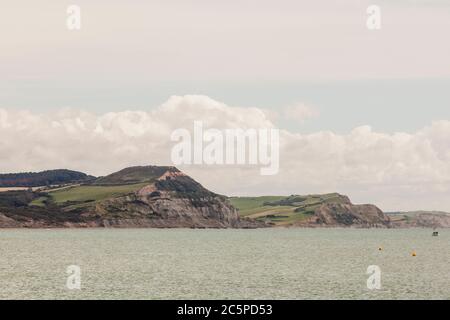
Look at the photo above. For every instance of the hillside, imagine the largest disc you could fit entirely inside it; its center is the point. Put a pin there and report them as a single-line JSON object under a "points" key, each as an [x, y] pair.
{"points": [[420, 219], [133, 197], [310, 210], [163, 196], [134, 175], [44, 178]]}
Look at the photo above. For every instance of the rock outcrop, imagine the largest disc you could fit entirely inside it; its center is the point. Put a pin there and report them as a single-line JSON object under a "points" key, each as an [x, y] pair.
{"points": [[173, 200], [347, 214], [160, 197], [421, 220], [6, 222]]}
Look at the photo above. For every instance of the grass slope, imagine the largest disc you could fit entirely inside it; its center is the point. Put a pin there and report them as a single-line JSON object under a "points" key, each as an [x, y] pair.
{"points": [[85, 193], [95, 193], [116, 184], [283, 210], [251, 205], [133, 175]]}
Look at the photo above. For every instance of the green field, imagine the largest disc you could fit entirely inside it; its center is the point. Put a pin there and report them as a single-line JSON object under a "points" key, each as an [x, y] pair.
{"points": [[283, 210], [39, 202], [86, 193], [252, 205]]}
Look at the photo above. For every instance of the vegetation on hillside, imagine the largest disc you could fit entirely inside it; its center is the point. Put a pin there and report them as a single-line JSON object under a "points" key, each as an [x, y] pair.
{"points": [[133, 175], [166, 198], [283, 210], [44, 178]]}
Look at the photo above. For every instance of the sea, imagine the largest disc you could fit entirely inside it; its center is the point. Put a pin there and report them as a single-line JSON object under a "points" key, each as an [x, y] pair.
{"points": [[275, 263]]}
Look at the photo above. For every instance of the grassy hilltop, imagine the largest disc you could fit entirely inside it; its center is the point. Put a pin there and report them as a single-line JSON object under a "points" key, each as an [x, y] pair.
{"points": [[143, 196], [163, 196], [282, 210], [44, 178], [84, 194]]}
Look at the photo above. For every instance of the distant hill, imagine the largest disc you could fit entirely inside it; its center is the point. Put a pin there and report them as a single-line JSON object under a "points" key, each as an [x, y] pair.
{"points": [[327, 210], [44, 178], [420, 219], [131, 175], [150, 196], [165, 197]]}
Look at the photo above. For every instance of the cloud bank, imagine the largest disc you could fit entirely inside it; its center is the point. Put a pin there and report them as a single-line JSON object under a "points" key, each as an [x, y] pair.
{"points": [[400, 171]]}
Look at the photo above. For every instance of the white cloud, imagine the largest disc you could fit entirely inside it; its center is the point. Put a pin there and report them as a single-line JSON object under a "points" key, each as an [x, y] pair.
{"points": [[396, 171]]}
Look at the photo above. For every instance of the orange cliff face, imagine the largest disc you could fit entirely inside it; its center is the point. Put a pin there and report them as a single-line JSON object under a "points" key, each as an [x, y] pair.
{"points": [[172, 174]]}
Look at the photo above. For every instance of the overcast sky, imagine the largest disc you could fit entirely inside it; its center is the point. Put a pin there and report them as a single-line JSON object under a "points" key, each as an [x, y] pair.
{"points": [[312, 68]]}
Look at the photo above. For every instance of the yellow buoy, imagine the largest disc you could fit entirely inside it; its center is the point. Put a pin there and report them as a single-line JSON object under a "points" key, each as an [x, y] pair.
{"points": [[380, 248], [413, 253]]}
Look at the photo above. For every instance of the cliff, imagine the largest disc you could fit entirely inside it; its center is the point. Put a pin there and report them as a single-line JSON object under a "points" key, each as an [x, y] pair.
{"points": [[326, 210], [420, 219], [151, 196], [348, 215]]}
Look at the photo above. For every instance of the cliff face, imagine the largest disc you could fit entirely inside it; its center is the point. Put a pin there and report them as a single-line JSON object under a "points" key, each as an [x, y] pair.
{"points": [[6, 222], [164, 197], [421, 220], [314, 210], [173, 200], [161, 197], [348, 214], [163, 211]]}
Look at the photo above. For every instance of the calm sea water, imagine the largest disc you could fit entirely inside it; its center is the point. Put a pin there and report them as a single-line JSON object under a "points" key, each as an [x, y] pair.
{"points": [[224, 264]]}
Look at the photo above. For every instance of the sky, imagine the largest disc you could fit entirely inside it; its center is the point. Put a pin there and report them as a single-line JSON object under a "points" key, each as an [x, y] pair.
{"points": [[375, 102]]}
